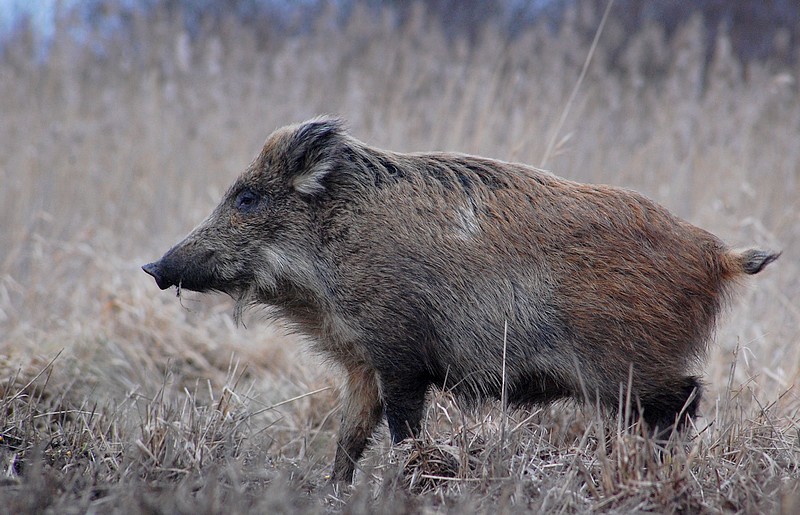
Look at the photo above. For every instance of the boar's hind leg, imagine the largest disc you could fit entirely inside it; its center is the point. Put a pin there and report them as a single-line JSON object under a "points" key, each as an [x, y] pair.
{"points": [[669, 408], [361, 413]]}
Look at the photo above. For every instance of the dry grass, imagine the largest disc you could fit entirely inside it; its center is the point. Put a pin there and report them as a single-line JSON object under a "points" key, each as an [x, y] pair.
{"points": [[116, 397]]}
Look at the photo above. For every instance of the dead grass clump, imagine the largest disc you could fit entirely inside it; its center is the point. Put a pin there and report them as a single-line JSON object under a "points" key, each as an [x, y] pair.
{"points": [[429, 461], [157, 451], [603, 468]]}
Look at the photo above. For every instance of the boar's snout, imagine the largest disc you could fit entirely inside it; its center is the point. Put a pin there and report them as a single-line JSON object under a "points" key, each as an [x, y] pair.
{"points": [[187, 267], [154, 269]]}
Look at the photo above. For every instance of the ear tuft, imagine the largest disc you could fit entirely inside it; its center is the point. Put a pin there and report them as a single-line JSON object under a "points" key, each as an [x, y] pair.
{"points": [[312, 153]]}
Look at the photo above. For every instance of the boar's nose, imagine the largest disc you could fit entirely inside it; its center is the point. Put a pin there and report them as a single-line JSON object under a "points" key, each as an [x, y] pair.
{"points": [[154, 270]]}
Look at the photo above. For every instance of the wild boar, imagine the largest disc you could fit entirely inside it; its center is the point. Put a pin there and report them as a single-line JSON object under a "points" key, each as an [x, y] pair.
{"points": [[418, 270]]}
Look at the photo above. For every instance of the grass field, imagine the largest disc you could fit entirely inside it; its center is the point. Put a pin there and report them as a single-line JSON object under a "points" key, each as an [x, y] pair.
{"points": [[118, 397]]}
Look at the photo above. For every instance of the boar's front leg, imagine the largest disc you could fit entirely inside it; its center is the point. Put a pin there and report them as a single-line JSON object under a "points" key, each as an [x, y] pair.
{"points": [[362, 411], [404, 400]]}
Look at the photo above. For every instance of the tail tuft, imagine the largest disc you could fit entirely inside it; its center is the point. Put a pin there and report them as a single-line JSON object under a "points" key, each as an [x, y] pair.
{"points": [[754, 260]]}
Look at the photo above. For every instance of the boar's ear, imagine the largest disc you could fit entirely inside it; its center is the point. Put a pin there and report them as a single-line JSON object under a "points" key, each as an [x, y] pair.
{"points": [[312, 153]]}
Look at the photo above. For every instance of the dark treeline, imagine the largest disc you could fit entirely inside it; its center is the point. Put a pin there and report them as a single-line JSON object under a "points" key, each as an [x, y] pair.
{"points": [[757, 29]]}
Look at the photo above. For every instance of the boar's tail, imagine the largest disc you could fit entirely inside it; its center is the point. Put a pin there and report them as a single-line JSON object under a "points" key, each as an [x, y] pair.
{"points": [[750, 261]]}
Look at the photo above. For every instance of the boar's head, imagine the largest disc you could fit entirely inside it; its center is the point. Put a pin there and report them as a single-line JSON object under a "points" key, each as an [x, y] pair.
{"points": [[262, 242]]}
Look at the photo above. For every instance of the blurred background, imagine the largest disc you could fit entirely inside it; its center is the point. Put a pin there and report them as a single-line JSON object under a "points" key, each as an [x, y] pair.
{"points": [[123, 121]]}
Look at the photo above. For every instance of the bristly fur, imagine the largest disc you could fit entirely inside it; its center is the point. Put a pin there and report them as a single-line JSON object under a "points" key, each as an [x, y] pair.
{"points": [[413, 271]]}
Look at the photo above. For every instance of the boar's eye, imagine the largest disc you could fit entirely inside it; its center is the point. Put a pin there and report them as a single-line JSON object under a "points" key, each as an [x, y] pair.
{"points": [[246, 200]]}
